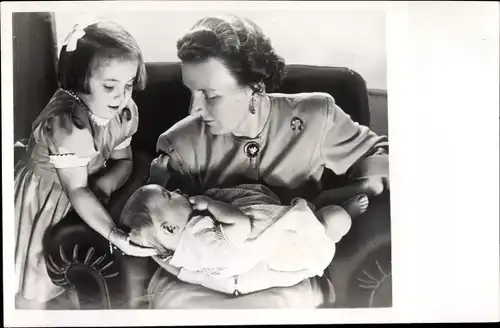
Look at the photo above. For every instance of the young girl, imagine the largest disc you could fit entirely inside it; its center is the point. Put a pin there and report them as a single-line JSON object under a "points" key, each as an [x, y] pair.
{"points": [[89, 120], [240, 227]]}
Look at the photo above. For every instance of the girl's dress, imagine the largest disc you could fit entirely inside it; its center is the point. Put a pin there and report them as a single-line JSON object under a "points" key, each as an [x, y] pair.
{"points": [[65, 134]]}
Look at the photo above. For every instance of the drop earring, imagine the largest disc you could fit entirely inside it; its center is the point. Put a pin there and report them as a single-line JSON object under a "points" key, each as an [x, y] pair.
{"points": [[252, 106]]}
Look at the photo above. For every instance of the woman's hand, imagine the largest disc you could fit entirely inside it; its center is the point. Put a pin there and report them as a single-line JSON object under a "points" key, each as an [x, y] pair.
{"points": [[237, 225], [121, 240], [200, 203]]}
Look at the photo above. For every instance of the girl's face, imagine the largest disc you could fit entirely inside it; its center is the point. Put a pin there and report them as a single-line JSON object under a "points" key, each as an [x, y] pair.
{"points": [[216, 96], [111, 87]]}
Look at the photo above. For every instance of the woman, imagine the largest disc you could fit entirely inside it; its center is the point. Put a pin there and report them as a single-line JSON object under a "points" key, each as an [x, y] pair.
{"points": [[237, 132]]}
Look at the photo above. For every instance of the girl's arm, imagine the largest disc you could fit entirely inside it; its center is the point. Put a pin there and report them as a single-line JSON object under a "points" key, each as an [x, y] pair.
{"points": [[117, 174], [237, 225], [121, 163], [74, 182]]}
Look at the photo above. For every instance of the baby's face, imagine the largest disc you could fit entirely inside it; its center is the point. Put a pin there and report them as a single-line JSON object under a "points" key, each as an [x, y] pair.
{"points": [[170, 212]]}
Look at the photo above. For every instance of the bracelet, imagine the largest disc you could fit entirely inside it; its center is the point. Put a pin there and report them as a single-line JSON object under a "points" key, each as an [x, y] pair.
{"points": [[109, 240], [236, 292], [111, 247]]}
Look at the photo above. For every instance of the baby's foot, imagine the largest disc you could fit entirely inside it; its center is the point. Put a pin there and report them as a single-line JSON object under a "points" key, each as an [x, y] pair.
{"points": [[356, 205]]}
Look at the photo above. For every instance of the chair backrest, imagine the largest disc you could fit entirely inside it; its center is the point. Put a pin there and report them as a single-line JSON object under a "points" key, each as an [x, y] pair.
{"points": [[166, 101]]}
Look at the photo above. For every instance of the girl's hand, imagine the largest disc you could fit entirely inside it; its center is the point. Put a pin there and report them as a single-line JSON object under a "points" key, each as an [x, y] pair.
{"points": [[200, 203], [121, 240]]}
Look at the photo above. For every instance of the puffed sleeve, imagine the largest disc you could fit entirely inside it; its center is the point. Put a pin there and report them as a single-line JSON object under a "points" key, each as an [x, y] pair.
{"points": [[348, 147], [69, 138], [129, 119]]}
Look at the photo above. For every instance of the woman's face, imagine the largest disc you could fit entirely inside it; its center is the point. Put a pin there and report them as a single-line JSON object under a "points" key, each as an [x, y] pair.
{"points": [[110, 87], [216, 96]]}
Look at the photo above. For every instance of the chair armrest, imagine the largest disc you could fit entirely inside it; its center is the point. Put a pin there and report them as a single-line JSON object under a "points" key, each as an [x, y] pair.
{"points": [[361, 268], [78, 257]]}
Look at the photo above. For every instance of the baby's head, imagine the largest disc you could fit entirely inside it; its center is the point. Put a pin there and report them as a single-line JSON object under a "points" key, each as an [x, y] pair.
{"points": [[156, 217], [102, 63]]}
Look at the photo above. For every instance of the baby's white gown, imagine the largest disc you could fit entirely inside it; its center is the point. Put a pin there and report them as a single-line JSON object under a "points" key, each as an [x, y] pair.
{"points": [[285, 238]]}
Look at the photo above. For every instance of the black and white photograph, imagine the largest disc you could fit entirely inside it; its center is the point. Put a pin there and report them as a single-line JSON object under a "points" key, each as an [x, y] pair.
{"points": [[205, 156]]}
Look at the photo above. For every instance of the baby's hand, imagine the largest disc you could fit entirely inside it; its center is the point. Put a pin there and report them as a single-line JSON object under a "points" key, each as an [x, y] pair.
{"points": [[200, 203], [158, 170]]}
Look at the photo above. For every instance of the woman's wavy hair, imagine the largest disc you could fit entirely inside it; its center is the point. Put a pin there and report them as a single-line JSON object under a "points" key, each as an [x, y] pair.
{"points": [[101, 42], [240, 44]]}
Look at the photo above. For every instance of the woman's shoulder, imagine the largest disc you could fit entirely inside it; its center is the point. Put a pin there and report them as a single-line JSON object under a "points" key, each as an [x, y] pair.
{"points": [[299, 109], [304, 102], [184, 134]]}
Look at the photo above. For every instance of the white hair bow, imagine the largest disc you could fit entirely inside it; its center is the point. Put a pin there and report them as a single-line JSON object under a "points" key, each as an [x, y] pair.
{"points": [[77, 33], [72, 39]]}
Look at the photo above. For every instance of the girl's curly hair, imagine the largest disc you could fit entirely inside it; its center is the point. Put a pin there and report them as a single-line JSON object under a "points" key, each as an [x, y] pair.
{"points": [[240, 44]]}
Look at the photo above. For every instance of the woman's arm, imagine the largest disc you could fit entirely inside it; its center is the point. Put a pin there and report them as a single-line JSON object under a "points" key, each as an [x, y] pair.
{"points": [[261, 278], [257, 279], [352, 149], [369, 186], [74, 182], [237, 225], [223, 285]]}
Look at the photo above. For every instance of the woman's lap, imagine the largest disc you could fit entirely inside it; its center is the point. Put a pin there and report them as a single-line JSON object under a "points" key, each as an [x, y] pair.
{"points": [[167, 292]]}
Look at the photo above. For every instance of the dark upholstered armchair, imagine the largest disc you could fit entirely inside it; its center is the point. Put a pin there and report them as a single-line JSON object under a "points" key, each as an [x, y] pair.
{"points": [[79, 258]]}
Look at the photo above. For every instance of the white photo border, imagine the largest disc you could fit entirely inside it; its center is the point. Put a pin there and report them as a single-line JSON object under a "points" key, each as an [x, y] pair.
{"points": [[443, 92]]}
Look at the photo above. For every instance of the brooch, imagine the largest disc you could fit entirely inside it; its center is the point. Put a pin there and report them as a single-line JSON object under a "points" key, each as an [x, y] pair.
{"points": [[251, 149], [297, 124]]}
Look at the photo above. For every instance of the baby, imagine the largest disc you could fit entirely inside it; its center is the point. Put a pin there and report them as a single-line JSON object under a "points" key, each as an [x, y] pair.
{"points": [[226, 232]]}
